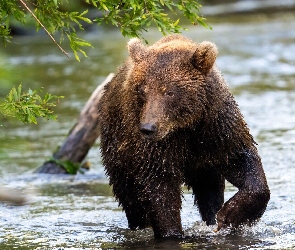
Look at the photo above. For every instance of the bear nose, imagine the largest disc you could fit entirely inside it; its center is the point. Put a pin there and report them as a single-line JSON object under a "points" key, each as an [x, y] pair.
{"points": [[148, 128]]}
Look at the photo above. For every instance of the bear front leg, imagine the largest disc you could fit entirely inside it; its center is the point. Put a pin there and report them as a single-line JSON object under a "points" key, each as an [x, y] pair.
{"points": [[164, 204], [249, 203], [126, 192], [136, 215], [208, 188]]}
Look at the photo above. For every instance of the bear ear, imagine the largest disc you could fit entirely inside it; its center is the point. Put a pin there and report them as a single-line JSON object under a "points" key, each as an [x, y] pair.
{"points": [[136, 50], [205, 56]]}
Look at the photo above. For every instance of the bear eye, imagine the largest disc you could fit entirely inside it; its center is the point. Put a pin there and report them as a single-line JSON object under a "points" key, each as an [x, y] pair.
{"points": [[169, 93]]}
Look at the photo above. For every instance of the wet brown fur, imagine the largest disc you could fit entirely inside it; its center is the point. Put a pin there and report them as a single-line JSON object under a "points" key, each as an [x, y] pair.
{"points": [[200, 139]]}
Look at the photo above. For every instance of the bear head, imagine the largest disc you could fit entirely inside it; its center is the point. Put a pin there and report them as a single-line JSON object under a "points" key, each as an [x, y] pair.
{"points": [[168, 81]]}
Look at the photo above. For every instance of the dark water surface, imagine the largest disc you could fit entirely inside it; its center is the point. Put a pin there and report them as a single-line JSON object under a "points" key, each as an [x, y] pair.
{"points": [[257, 58]]}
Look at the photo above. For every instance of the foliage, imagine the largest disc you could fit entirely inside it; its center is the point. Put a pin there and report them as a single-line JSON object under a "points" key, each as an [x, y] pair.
{"points": [[48, 13], [70, 167], [27, 106], [133, 17]]}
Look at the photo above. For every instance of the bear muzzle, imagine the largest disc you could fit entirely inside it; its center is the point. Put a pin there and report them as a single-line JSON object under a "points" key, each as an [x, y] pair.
{"points": [[148, 129]]}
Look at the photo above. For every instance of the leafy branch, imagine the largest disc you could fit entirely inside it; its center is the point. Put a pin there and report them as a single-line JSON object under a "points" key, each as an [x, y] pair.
{"points": [[38, 21], [132, 17], [135, 16], [28, 106], [47, 15]]}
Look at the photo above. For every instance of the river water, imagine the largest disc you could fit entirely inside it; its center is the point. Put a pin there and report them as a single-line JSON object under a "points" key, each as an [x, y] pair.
{"points": [[257, 57]]}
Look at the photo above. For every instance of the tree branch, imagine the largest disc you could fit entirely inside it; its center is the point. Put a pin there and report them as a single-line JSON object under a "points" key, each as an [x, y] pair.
{"points": [[24, 4]]}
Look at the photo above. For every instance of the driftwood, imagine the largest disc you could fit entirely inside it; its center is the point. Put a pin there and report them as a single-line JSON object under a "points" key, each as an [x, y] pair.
{"points": [[81, 137]]}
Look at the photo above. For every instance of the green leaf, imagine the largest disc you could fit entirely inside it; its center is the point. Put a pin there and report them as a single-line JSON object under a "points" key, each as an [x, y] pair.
{"points": [[176, 22], [76, 56], [70, 167], [19, 90], [83, 52], [83, 43], [104, 6], [15, 95]]}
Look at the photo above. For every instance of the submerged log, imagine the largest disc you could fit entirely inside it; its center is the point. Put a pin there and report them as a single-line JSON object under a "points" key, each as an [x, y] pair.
{"points": [[81, 137]]}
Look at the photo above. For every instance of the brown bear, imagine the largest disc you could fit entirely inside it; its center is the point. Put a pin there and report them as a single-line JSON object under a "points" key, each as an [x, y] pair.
{"points": [[168, 118]]}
